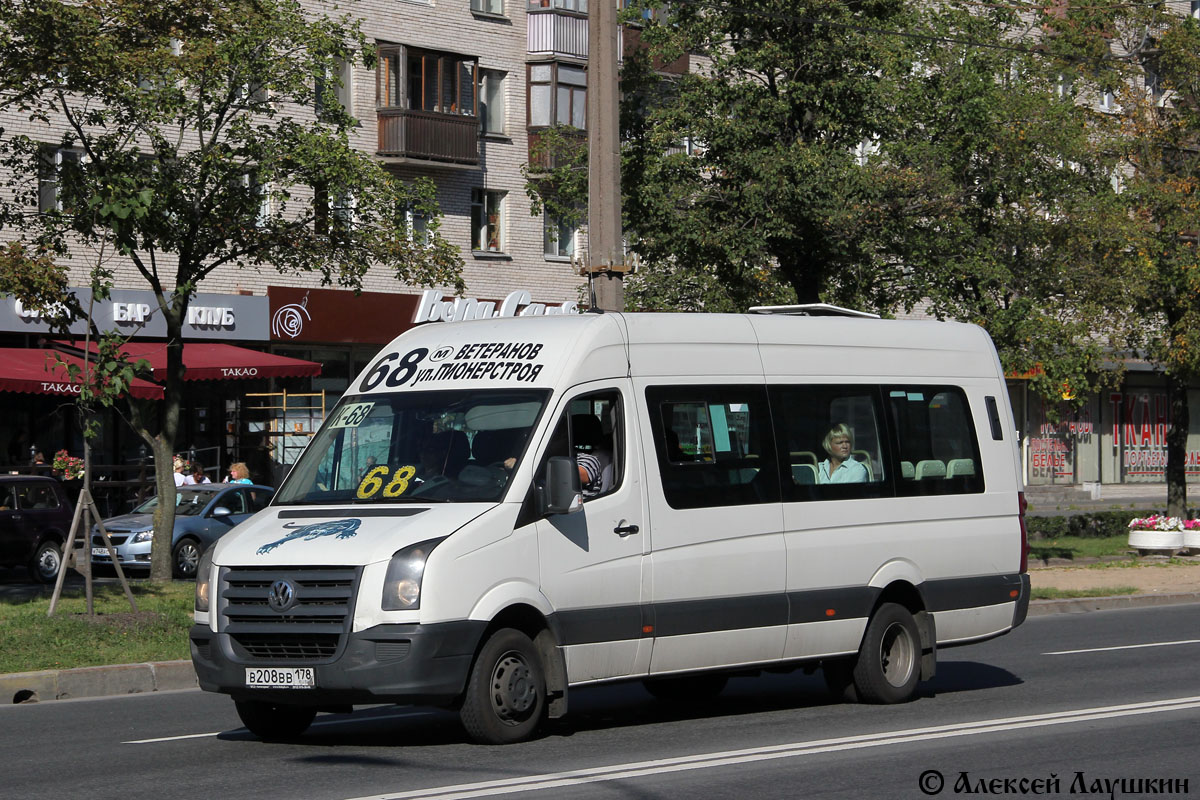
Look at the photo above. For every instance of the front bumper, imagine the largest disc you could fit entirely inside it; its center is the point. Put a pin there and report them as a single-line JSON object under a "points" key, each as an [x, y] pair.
{"points": [[408, 664], [129, 554]]}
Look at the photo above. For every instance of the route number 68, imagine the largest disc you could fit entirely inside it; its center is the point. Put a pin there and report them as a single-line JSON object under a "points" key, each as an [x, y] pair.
{"points": [[394, 375]]}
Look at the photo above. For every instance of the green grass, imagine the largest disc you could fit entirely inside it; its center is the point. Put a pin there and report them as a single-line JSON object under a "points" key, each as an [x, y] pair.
{"points": [[30, 641], [1077, 547], [1049, 593]]}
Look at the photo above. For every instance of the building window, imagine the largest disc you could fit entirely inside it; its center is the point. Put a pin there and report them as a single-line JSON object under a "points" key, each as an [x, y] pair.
{"points": [[425, 80], [1153, 83], [487, 220], [58, 169], [488, 7], [338, 79], [491, 101], [557, 95], [558, 237], [1108, 100], [416, 225], [563, 5], [1195, 9]]}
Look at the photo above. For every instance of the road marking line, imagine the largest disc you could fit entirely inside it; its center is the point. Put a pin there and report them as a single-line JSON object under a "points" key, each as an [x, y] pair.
{"points": [[558, 780], [320, 723], [1121, 647]]}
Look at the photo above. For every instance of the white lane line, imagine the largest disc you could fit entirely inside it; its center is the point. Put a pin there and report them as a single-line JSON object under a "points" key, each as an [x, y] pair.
{"points": [[638, 769], [1121, 647], [320, 723]]}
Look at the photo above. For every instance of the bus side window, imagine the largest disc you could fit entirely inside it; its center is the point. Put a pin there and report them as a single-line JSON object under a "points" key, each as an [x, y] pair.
{"points": [[936, 441]]}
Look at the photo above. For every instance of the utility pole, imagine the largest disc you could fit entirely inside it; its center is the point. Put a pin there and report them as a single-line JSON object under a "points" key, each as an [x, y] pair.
{"points": [[605, 255]]}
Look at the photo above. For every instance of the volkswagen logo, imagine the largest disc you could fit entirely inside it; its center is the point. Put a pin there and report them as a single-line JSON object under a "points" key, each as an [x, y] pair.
{"points": [[281, 596]]}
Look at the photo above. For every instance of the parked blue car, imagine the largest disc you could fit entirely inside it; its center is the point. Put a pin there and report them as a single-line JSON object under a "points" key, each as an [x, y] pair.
{"points": [[203, 514]]}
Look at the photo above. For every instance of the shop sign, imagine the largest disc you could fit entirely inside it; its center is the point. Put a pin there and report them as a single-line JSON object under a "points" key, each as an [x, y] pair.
{"points": [[136, 313], [434, 307]]}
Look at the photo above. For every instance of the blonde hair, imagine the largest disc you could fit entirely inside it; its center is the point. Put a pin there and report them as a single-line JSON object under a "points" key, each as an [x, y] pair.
{"points": [[837, 432], [178, 463], [239, 470]]}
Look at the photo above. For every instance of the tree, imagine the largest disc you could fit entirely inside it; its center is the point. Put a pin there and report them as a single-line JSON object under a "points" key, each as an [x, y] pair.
{"points": [[745, 169], [997, 199], [190, 136], [1155, 80]]}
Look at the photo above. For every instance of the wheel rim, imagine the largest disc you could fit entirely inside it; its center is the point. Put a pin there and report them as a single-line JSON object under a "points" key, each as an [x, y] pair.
{"points": [[187, 558], [48, 561], [897, 655], [514, 689]]}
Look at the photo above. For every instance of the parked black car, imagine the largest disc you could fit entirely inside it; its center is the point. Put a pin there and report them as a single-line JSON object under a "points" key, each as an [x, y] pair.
{"points": [[35, 518]]}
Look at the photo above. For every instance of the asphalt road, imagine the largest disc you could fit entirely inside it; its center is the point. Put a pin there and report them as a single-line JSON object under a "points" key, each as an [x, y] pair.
{"points": [[1017, 708]]}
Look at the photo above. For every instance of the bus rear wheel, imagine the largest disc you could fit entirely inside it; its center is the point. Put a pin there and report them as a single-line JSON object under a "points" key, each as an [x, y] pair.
{"points": [[888, 667]]}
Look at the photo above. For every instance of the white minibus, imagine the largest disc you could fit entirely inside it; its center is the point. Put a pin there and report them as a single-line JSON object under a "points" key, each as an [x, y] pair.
{"points": [[501, 510]]}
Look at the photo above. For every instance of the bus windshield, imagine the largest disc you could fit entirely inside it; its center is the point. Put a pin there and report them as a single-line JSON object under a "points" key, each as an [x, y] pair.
{"points": [[416, 447]]}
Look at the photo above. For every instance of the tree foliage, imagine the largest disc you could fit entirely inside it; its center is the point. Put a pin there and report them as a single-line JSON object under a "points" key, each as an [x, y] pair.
{"points": [[748, 162], [188, 136]]}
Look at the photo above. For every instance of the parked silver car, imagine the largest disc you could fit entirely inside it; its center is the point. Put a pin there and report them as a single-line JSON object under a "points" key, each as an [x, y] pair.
{"points": [[203, 514]]}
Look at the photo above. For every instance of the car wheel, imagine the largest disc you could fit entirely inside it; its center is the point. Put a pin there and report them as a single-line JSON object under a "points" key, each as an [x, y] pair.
{"points": [[46, 562], [888, 667], [185, 557], [274, 722], [686, 688], [506, 692]]}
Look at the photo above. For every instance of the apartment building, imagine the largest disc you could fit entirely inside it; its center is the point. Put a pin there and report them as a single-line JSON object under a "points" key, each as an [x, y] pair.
{"points": [[460, 91]]}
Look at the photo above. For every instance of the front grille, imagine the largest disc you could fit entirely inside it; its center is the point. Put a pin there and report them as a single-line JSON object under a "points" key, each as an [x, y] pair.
{"points": [[312, 628], [283, 647], [115, 538]]}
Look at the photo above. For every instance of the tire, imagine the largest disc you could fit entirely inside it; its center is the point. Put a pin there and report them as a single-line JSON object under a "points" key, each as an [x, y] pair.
{"points": [[46, 562], [839, 679], [686, 688], [185, 557], [505, 700], [274, 722], [888, 667]]}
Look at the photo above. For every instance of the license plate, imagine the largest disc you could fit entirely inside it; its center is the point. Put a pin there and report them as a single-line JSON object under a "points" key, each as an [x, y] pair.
{"points": [[280, 678], [100, 551]]}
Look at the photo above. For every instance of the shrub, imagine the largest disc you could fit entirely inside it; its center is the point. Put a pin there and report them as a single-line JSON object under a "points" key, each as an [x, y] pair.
{"points": [[1090, 525]]}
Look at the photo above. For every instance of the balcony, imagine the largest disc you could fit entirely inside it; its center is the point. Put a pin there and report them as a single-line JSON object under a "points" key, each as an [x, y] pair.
{"points": [[555, 33], [543, 160], [428, 136]]}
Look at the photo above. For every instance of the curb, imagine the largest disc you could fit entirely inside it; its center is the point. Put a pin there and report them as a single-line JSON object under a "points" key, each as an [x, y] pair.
{"points": [[161, 676], [1082, 605], [69, 684]]}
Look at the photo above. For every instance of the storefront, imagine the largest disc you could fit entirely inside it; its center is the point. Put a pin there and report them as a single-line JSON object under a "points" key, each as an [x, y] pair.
{"points": [[1119, 436], [225, 337]]}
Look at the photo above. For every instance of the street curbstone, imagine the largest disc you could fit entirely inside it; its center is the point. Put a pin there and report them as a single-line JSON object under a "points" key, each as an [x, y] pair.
{"points": [[105, 681], [1082, 605], [172, 675]]}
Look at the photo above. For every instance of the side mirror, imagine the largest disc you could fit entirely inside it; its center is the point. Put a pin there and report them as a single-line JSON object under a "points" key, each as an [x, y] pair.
{"points": [[563, 493], [221, 511]]}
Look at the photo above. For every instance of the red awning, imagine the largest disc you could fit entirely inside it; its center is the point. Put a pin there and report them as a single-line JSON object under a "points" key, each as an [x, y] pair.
{"points": [[43, 372], [208, 361]]}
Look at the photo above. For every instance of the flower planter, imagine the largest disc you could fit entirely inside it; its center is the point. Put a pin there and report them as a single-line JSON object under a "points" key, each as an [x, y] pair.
{"points": [[1191, 541], [1151, 542]]}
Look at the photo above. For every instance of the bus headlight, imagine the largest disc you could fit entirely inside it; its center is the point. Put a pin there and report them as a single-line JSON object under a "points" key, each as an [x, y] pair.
{"points": [[402, 584], [204, 580]]}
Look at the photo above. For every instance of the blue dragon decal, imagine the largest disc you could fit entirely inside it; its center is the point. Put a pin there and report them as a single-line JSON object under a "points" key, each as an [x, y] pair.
{"points": [[341, 528]]}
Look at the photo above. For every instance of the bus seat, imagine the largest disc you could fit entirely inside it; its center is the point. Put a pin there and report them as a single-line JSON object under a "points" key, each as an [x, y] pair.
{"points": [[960, 466], [907, 470], [931, 468], [804, 474]]}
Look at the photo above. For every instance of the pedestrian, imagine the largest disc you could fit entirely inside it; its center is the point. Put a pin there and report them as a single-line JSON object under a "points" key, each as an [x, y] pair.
{"points": [[180, 467], [239, 473], [197, 475]]}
